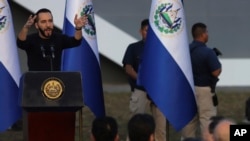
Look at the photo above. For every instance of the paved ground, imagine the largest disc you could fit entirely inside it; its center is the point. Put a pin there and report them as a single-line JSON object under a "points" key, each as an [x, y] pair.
{"points": [[17, 135]]}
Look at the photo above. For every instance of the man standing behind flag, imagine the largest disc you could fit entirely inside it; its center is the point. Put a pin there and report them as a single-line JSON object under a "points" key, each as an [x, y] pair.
{"points": [[206, 69], [10, 110], [139, 98], [44, 49], [165, 70], [86, 57]]}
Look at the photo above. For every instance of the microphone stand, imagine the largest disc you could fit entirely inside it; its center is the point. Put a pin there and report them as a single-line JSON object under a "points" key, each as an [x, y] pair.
{"points": [[51, 57], [51, 62]]}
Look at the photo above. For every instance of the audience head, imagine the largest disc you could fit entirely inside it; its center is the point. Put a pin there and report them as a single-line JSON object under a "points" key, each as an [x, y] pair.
{"points": [[222, 130], [141, 127], [207, 134], [214, 121], [104, 129]]}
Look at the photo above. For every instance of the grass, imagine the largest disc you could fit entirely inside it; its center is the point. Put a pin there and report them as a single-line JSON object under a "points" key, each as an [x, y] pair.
{"points": [[231, 104]]}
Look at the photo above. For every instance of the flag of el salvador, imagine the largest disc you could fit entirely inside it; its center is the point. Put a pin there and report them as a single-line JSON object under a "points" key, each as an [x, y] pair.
{"points": [[84, 58], [165, 70], [10, 73]]}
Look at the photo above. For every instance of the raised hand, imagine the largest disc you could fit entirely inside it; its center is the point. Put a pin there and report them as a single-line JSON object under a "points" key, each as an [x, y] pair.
{"points": [[81, 21], [30, 21]]}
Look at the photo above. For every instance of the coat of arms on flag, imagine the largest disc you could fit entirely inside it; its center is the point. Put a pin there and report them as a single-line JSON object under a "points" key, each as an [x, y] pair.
{"points": [[167, 18], [3, 17]]}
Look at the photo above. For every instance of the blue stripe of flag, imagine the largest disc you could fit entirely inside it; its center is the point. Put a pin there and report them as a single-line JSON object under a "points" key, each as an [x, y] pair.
{"points": [[10, 110]]}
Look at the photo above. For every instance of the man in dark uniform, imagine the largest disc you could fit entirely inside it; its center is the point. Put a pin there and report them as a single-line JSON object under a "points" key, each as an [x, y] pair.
{"points": [[206, 70], [139, 100]]}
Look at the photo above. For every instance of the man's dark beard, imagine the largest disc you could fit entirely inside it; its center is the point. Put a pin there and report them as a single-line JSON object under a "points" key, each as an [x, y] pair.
{"points": [[43, 33]]}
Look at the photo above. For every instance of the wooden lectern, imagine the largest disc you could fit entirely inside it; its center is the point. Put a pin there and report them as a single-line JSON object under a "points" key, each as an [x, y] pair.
{"points": [[50, 101]]}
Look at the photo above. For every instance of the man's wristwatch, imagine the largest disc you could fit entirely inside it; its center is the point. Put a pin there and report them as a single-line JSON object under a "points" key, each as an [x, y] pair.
{"points": [[78, 28]]}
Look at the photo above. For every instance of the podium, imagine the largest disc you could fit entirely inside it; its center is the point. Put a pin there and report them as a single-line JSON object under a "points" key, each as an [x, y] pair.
{"points": [[50, 101]]}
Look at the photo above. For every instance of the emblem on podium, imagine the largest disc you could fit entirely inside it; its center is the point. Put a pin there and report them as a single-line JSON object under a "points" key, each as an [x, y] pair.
{"points": [[52, 88]]}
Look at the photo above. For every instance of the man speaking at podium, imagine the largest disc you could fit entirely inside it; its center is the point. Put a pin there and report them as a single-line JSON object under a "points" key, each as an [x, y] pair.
{"points": [[44, 48]]}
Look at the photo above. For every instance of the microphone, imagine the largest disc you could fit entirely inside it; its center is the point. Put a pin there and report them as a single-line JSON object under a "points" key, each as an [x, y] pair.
{"points": [[43, 51], [52, 49]]}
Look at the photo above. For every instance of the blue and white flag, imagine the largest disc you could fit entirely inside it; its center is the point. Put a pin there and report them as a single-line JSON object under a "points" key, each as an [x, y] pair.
{"points": [[10, 72], [165, 70], [86, 57]]}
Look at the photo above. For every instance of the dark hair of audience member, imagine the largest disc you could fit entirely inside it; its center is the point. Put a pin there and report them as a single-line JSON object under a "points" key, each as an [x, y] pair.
{"points": [[104, 129], [141, 127], [214, 121]]}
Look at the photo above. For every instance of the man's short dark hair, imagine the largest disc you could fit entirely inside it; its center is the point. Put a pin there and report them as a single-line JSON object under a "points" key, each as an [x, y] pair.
{"points": [[214, 122], [104, 128], [198, 29], [42, 10], [144, 23], [140, 127]]}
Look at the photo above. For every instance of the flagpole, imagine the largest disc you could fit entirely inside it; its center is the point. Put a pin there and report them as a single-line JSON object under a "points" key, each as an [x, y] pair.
{"points": [[167, 130], [80, 125]]}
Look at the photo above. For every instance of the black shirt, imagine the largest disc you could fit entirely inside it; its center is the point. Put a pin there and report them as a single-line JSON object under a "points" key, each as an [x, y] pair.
{"points": [[133, 57], [204, 62], [45, 54]]}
